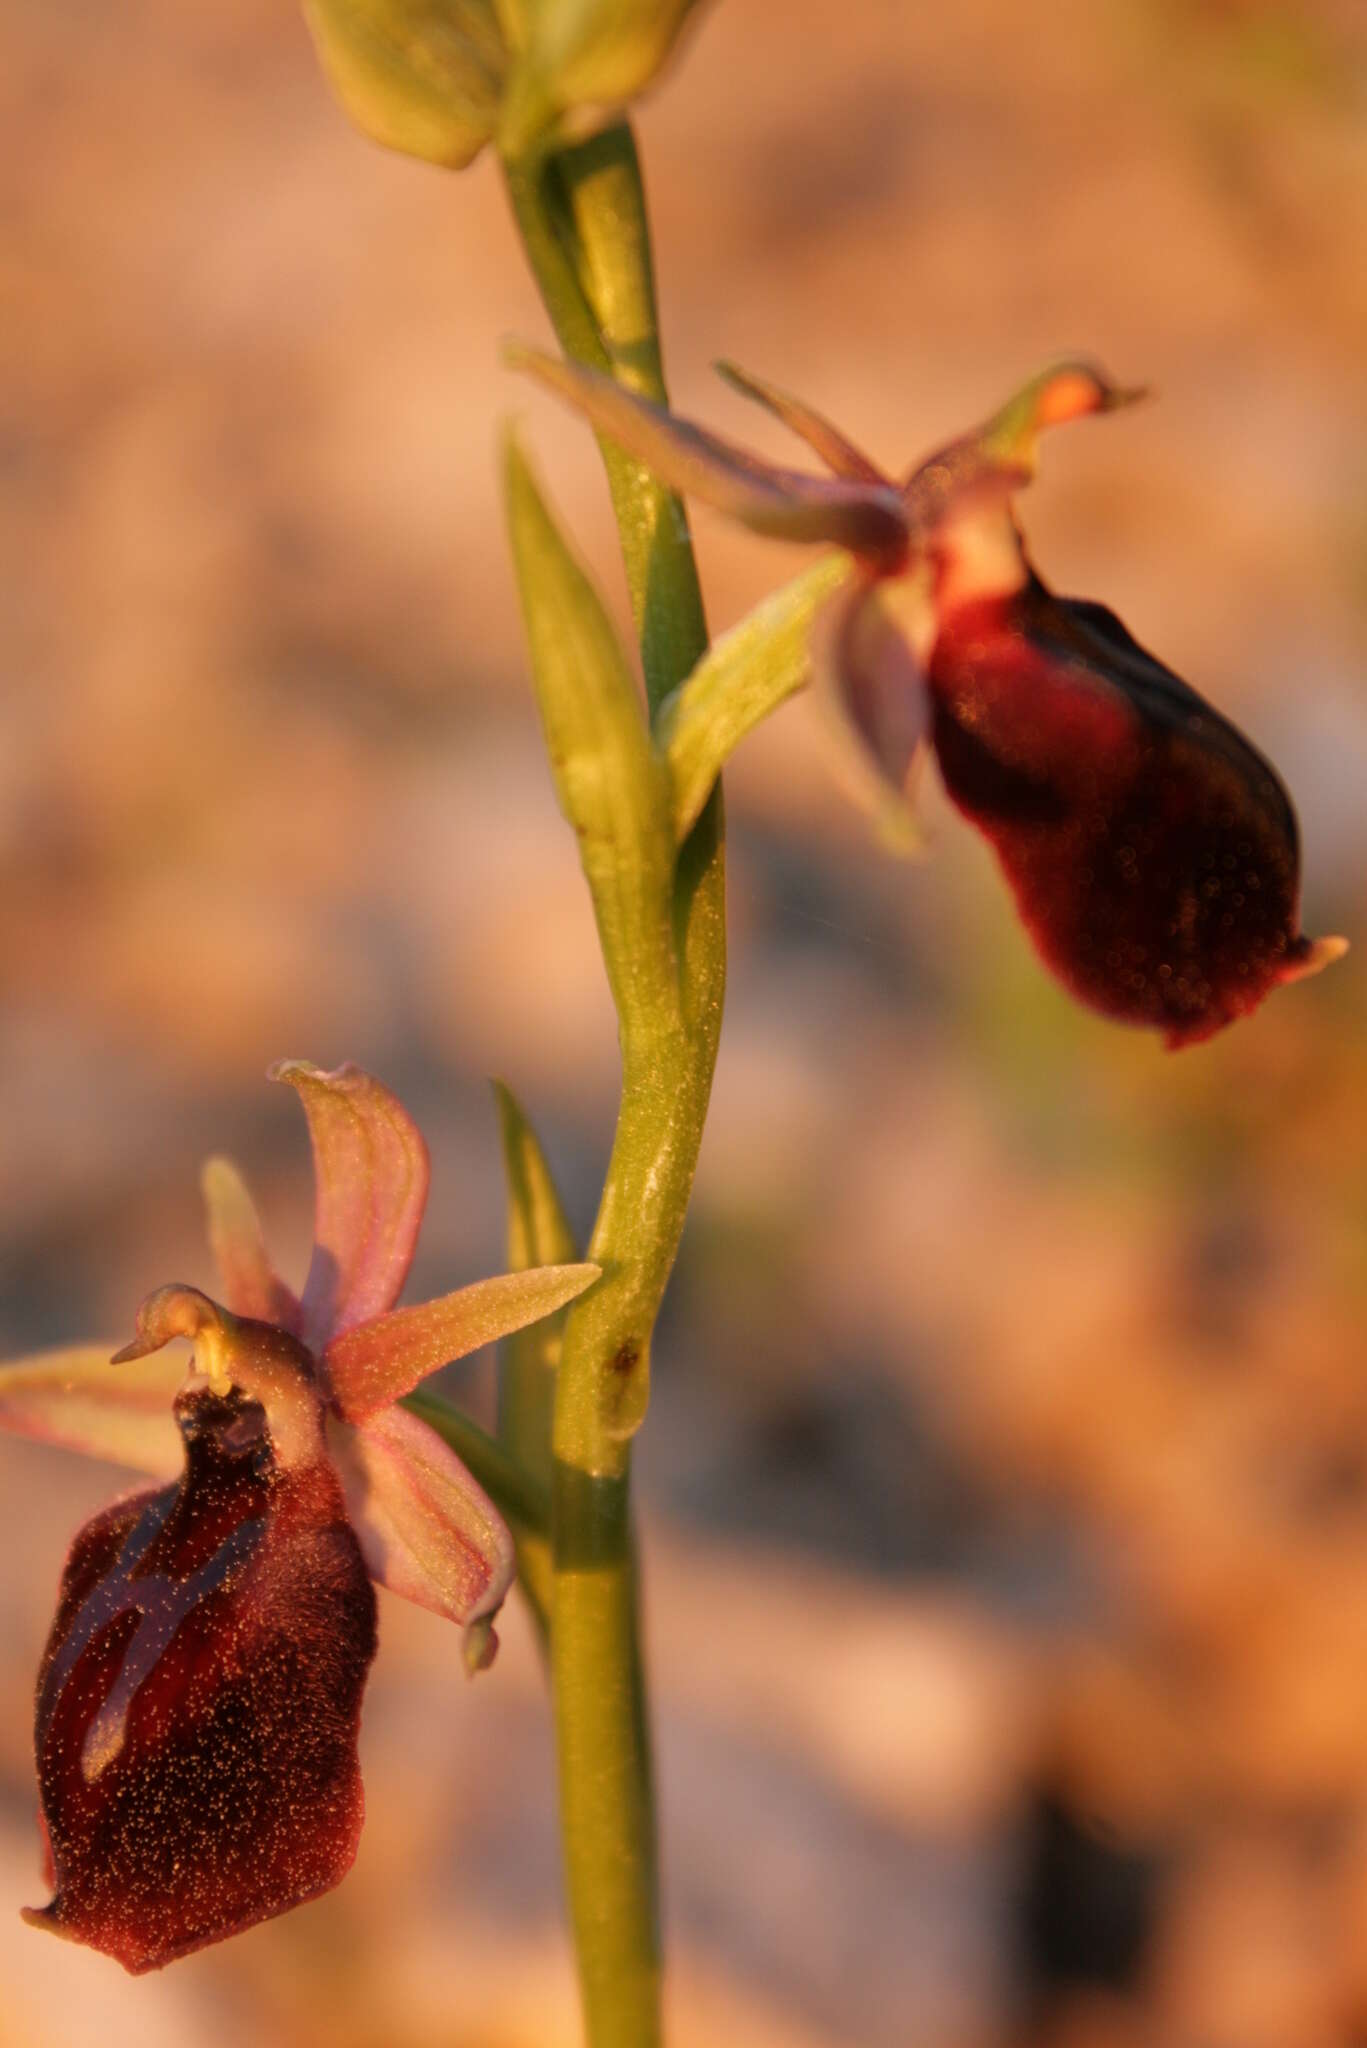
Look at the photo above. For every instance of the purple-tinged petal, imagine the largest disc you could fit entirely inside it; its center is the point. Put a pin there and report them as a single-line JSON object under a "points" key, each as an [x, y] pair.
{"points": [[370, 1166], [868, 677], [867, 518], [426, 1529], [370, 1367], [251, 1286], [838, 454], [76, 1399]]}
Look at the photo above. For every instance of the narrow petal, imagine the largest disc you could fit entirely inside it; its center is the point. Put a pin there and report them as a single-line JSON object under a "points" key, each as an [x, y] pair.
{"points": [[999, 457], [1063, 392], [867, 518], [77, 1399], [426, 1529], [370, 1166], [869, 679], [838, 454], [251, 1286], [369, 1367]]}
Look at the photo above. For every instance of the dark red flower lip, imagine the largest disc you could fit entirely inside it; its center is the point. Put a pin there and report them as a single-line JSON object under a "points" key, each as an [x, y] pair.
{"points": [[1152, 851], [199, 1700]]}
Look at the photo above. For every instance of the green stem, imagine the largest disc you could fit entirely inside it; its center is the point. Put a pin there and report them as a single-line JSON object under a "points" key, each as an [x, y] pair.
{"points": [[581, 215], [583, 222]]}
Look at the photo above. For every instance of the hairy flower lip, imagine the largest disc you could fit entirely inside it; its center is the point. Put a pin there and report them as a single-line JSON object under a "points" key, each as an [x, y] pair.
{"points": [[199, 1700]]}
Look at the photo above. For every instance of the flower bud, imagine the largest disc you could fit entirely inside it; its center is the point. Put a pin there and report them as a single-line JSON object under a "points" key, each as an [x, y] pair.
{"points": [[421, 76], [583, 58]]}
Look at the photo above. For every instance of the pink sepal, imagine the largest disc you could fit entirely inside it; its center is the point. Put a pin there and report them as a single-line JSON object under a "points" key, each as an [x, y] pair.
{"points": [[370, 1168], [76, 1399]]}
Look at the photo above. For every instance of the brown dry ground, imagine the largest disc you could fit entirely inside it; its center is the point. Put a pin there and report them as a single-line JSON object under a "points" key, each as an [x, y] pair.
{"points": [[1006, 1490]]}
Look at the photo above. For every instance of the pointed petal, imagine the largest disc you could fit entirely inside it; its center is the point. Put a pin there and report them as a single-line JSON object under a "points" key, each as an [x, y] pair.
{"points": [[425, 1528], [1063, 392], [370, 1166], [830, 444], [868, 677], [866, 518], [998, 458], [77, 1399], [251, 1286], [371, 1366]]}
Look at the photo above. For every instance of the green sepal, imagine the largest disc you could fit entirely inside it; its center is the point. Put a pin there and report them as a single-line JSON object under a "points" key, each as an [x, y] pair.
{"points": [[528, 1360], [536, 1223], [613, 787], [747, 674]]}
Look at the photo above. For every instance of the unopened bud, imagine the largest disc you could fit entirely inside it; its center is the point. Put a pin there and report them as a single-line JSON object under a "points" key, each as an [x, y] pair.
{"points": [[582, 60], [421, 76]]}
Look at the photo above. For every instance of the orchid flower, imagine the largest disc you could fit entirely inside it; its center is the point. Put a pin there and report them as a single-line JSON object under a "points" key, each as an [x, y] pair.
{"points": [[1152, 852], [199, 1698]]}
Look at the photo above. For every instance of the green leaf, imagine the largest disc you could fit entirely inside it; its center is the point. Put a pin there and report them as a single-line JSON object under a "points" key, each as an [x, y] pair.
{"points": [[613, 786], [749, 672], [538, 1233]]}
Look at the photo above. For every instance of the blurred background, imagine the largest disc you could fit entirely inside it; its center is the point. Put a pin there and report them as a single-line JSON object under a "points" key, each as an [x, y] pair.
{"points": [[1005, 1491]]}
